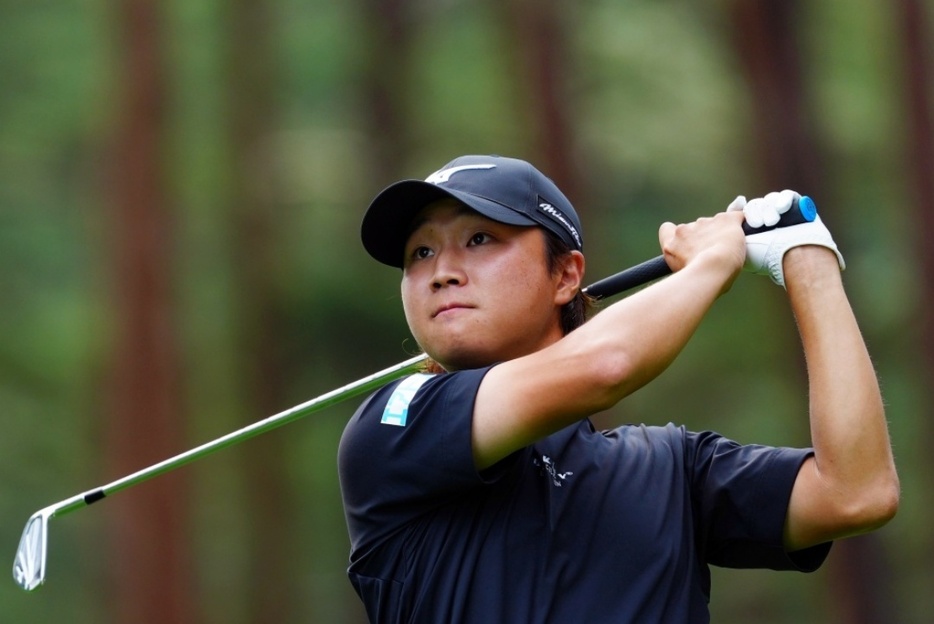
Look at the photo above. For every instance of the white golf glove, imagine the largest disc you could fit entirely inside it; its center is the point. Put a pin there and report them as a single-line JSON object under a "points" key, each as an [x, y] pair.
{"points": [[765, 251]]}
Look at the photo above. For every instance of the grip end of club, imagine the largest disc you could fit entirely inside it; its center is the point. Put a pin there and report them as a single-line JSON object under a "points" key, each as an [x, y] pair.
{"points": [[808, 208]]}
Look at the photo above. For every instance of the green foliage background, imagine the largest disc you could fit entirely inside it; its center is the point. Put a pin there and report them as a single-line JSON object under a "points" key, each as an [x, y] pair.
{"points": [[662, 121]]}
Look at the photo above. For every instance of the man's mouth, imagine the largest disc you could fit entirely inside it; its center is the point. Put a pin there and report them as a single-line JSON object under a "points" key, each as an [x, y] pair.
{"points": [[448, 307]]}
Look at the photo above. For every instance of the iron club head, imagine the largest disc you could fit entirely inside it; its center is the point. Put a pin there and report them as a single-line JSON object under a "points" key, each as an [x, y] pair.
{"points": [[29, 564]]}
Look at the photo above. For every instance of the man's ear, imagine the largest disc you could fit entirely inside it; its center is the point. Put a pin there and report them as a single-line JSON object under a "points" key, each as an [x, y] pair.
{"points": [[569, 275]]}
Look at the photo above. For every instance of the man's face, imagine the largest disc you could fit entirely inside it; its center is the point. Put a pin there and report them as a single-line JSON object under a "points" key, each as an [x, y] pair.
{"points": [[476, 291]]}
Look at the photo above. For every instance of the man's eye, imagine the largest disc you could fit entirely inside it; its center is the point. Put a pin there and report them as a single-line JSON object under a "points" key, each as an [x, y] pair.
{"points": [[479, 238], [420, 253]]}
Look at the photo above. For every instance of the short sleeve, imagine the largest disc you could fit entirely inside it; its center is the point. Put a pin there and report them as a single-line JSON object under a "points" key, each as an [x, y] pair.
{"points": [[407, 449], [741, 495]]}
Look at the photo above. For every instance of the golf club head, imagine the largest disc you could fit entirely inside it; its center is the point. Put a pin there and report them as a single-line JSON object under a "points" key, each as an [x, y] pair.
{"points": [[29, 565]]}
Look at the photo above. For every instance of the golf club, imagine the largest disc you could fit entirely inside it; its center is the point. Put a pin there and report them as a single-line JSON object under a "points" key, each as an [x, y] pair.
{"points": [[30, 561]]}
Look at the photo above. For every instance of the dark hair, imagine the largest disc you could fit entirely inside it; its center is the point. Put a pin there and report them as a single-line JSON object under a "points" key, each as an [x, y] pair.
{"points": [[573, 314]]}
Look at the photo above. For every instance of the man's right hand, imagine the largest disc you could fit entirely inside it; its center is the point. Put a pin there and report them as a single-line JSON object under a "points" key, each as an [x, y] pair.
{"points": [[718, 240]]}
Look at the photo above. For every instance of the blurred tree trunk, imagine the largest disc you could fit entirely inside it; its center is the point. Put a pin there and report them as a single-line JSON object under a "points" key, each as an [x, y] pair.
{"points": [[150, 574], [538, 30], [387, 29], [917, 51], [251, 81], [789, 156], [787, 150], [918, 74]]}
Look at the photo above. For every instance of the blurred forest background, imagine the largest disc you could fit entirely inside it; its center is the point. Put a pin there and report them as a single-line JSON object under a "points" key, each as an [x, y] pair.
{"points": [[181, 185]]}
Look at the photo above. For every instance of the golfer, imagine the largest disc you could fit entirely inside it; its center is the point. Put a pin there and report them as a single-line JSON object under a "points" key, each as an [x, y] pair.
{"points": [[479, 491]]}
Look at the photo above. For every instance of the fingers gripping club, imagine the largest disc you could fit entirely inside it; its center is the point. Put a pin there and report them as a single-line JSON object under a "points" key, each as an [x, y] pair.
{"points": [[803, 210]]}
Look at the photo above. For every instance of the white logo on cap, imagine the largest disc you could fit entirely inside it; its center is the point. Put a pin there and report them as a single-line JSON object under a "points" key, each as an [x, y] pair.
{"points": [[560, 218], [443, 175]]}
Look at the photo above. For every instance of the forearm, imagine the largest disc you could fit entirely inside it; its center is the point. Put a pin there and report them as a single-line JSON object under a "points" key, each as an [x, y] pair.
{"points": [[635, 340], [852, 454]]}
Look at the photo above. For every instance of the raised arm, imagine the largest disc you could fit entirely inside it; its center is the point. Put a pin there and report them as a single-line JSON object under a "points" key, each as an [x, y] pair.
{"points": [[850, 485]]}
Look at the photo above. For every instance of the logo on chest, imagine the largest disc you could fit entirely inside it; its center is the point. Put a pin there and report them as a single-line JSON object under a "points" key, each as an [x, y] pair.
{"points": [[547, 468]]}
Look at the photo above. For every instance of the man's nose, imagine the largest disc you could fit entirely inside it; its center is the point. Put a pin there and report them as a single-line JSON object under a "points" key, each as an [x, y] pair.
{"points": [[449, 270]]}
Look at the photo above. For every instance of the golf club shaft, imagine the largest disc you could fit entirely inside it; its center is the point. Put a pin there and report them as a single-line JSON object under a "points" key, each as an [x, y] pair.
{"points": [[630, 278], [333, 397]]}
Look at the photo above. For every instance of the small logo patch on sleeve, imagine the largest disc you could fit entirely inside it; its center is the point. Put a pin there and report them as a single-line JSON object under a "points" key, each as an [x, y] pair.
{"points": [[397, 408]]}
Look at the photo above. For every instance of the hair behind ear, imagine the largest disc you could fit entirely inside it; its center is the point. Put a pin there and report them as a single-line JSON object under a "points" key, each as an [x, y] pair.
{"points": [[576, 312]]}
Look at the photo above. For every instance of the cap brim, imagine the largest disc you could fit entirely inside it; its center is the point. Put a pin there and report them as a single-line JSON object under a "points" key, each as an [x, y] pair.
{"points": [[388, 220]]}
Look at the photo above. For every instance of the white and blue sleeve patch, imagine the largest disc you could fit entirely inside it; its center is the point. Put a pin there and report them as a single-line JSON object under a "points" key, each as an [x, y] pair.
{"points": [[397, 408]]}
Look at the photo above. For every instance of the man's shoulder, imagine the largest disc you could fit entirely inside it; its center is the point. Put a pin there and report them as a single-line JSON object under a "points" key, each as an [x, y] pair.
{"points": [[391, 403]]}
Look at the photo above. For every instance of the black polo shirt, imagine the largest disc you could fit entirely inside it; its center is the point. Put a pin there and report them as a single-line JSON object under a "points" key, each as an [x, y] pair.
{"points": [[582, 526]]}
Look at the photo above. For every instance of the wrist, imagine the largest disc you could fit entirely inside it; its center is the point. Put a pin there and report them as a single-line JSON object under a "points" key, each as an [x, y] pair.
{"points": [[716, 270], [810, 265]]}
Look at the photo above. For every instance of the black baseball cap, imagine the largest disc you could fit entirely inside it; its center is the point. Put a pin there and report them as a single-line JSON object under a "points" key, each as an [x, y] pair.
{"points": [[507, 190]]}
